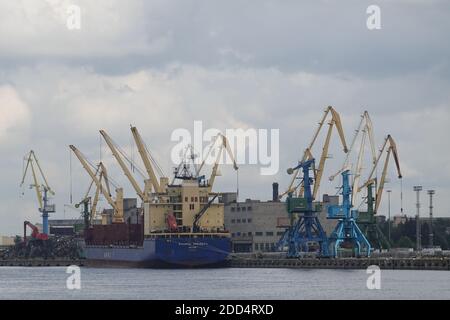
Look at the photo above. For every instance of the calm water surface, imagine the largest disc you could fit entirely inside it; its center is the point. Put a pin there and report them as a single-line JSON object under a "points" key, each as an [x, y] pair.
{"points": [[50, 283]]}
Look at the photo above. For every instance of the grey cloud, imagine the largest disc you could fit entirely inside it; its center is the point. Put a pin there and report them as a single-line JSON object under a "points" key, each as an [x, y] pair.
{"points": [[161, 65]]}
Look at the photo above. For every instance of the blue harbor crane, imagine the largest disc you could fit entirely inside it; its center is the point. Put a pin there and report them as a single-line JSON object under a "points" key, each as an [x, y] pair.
{"points": [[347, 233], [305, 233]]}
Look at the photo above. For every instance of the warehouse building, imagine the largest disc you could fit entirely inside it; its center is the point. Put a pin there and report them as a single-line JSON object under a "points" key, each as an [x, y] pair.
{"points": [[257, 226]]}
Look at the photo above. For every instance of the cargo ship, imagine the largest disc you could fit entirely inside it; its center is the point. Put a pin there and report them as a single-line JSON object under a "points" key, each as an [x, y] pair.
{"points": [[178, 225]]}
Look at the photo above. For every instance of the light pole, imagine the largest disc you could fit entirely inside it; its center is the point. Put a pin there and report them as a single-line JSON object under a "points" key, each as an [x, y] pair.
{"points": [[389, 215], [417, 189], [431, 235]]}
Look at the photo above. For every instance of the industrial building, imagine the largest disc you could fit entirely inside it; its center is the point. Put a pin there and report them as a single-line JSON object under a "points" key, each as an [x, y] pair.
{"points": [[257, 226]]}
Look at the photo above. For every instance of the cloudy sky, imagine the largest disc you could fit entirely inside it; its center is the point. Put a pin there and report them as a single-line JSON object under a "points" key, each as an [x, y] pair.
{"points": [[270, 64]]}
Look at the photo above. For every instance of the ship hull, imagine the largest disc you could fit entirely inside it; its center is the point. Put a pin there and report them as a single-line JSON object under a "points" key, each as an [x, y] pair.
{"points": [[187, 251]]}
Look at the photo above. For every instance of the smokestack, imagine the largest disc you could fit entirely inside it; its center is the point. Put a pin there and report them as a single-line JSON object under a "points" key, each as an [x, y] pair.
{"points": [[275, 192]]}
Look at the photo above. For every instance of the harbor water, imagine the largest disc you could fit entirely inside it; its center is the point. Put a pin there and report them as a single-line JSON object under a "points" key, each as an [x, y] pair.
{"points": [[230, 283]]}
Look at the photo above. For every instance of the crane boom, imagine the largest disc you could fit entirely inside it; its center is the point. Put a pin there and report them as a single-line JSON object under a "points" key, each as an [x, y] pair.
{"points": [[116, 205], [122, 165], [30, 159], [224, 145], [144, 156], [365, 126]]}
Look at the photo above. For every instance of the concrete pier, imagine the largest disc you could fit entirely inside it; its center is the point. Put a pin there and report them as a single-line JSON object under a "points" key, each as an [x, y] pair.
{"points": [[41, 262], [429, 263]]}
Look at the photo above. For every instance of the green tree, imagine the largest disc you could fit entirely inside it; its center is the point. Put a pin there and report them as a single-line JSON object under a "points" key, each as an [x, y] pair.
{"points": [[405, 242]]}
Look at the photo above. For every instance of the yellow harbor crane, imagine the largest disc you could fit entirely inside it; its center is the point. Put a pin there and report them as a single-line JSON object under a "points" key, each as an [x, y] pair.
{"points": [[89, 215], [390, 147], [116, 204], [335, 121], [42, 190], [366, 219]]}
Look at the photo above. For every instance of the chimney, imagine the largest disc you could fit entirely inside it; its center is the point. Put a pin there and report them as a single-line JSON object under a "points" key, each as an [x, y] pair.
{"points": [[275, 192]]}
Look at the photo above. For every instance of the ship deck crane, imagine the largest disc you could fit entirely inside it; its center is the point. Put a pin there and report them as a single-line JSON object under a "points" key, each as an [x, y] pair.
{"points": [[42, 197], [199, 215], [149, 163], [112, 146], [116, 204], [334, 122], [224, 145]]}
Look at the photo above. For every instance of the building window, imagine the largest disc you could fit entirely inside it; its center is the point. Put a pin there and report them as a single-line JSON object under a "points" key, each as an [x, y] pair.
{"points": [[249, 209], [249, 220], [185, 199], [233, 221], [250, 234], [238, 220], [238, 209], [269, 233], [280, 233], [232, 209], [238, 234], [232, 234], [259, 234], [244, 208], [196, 199]]}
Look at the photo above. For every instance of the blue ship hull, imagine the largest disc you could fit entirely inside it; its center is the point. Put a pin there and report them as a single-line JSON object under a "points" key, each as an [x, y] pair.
{"points": [[164, 250]]}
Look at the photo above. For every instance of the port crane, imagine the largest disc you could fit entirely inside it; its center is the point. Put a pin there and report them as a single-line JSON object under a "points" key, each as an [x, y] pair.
{"points": [[365, 130], [367, 219], [305, 233], [42, 190], [390, 147], [89, 215], [223, 146], [335, 121], [116, 204], [347, 234]]}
